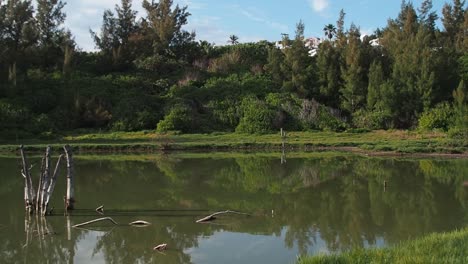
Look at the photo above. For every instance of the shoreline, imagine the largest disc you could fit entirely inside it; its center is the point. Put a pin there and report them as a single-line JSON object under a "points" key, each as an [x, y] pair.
{"points": [[374, 143]]}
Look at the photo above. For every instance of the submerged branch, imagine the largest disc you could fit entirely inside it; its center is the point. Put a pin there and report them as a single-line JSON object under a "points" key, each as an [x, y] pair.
{"points": [[140, 223], [96, 220], [212, 216]]}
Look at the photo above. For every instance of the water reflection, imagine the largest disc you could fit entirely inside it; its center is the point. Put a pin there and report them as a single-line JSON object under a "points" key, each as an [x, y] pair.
{"points": [[303, 206]]}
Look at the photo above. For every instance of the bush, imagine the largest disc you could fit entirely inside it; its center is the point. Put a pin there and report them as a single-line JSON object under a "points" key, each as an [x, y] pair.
{"points": [[377, 119], [329, 122], [440, 117], [316, 116], [257, 117], [179, 119]]}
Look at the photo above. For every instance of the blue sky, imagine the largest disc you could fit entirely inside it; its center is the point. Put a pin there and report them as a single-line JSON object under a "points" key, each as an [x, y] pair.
{"points": [[216, 20]]}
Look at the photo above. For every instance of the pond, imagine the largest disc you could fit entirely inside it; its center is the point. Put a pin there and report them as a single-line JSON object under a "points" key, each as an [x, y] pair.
{"points": [[305, 203]]}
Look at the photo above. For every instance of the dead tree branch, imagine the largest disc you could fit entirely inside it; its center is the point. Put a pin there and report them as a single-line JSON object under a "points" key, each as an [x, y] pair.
{"points": [[96, 220], [212, 217]]}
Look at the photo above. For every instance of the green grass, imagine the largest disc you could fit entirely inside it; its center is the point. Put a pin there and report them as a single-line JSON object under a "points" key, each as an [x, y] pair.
{"points": [[148, 141], [435, 248]]}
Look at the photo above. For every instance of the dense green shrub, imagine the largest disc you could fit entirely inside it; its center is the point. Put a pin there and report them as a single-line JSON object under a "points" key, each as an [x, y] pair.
{"points": [[225, 114], [329, 122], [440, 117], [257, 117], [179, 118], [377, 119]]}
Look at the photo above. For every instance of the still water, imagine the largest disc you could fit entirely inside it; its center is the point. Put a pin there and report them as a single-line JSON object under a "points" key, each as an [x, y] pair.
{"points": [[309, 204]]}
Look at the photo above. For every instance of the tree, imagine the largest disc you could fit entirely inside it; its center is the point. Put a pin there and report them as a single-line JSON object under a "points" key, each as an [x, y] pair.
{"points": [[297, 67], [353, 92], [116, 32], [233, 40], [20, 33], [330, 31], [453, 16], [376, 79], [273, 66], [49, 19], [329, 73], [427, 17], [165, 24], [126, 27], [460, 96], [340, 34], [108, 40]]}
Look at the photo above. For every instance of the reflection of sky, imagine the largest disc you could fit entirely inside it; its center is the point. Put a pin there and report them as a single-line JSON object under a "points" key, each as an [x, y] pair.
{"points": [[85, 249], [225, 247], [228, 247]]}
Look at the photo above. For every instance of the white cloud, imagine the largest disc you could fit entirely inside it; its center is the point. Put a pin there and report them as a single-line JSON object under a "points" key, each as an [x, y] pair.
{"points": [[319, 5], [255, 15]]}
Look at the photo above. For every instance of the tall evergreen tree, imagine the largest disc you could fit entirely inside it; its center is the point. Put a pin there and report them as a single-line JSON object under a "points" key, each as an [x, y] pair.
{"points": [[273, 66], [49, 20], [329, 73], [116, 32], [297, 69], [20, 33], [453, 16], [376, 79], [354, 91], [165, 24]]}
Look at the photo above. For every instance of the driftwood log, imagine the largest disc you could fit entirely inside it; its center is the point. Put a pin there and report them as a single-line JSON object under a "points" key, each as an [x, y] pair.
{"points": [[160, 247], [96, 220], [100, 209], [140, 223], [212, 217]]}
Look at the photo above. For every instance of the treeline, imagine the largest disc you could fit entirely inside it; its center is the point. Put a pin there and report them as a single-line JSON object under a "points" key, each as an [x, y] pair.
{"points": [[150, 73]]}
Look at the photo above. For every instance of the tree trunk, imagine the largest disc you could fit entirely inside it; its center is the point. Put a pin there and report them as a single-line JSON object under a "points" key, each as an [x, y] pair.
{"points": [[28, 187], [12, 73], [70, 199], [51, 187]]}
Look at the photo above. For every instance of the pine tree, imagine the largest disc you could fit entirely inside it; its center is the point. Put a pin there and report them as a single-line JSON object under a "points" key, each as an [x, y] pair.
{"points": [[329, 74], [460, 96], [353, 92], [108, 41], [273, 66], [376, 79], [297, 68], [116, 31], [19, 34], [49, 20], [453, 16], [165, 24]]}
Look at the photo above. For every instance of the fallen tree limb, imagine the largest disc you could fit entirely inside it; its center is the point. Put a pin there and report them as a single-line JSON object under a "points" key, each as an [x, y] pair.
{"points": [[212, 217], [96, 220], [100, 209], [160, 247], [140, 223]]}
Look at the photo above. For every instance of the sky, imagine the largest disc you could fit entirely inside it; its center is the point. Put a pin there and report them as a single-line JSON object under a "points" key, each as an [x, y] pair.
{"points": [[250, 20]]}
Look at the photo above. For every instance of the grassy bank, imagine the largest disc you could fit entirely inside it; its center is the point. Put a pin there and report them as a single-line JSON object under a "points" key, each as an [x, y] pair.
{"points": [[374, 141], [436, 248]]}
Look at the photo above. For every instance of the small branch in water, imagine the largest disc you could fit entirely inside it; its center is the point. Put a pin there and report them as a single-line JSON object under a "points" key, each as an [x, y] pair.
{"points": [[96, 220], [100, 209], [160, 247], [212, 217], [140, 223]]}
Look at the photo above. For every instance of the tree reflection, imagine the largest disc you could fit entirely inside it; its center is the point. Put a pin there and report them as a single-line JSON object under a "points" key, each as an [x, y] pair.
{"points": [[338, 200]]}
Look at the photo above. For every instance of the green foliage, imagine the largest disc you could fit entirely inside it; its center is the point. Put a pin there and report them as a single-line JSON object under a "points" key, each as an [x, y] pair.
{"points": [[375, 119], [440, 117], [257, 117], [316, 116], [179, 118]]}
